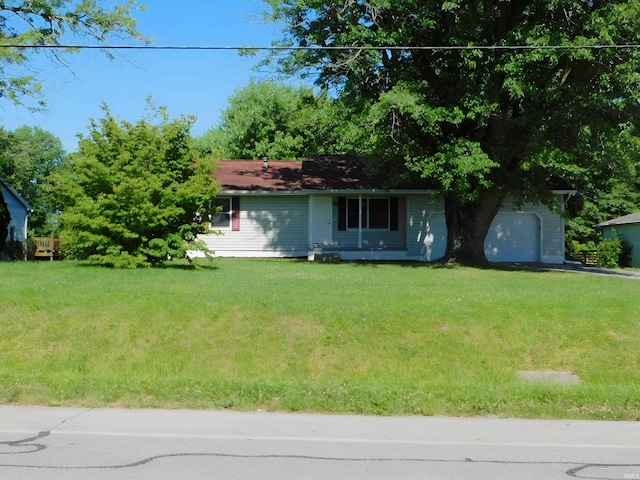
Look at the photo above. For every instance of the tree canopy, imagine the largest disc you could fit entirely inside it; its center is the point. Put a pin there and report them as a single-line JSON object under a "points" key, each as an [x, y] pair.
{"points": [[135, 194], [26, 26], [27, 156], [280, 121], [506, 96]]}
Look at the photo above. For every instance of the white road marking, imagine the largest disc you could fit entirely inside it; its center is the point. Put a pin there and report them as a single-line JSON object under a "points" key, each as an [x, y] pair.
{"points": [[323, 439]]}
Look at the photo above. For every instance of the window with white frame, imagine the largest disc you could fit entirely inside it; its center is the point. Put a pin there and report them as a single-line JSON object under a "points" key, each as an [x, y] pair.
{"points": [[221, 213], [374, 213]]}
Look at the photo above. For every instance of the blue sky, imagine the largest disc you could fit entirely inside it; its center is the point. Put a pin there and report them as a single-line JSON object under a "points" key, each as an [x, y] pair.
{"points": [[187, 82]]}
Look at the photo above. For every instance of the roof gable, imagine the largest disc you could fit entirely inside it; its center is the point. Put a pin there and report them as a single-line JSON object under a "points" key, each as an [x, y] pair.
{"points": [[14, 193]]}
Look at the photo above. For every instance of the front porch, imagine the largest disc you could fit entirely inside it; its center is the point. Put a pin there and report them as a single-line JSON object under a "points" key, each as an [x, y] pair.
{"points": [[335, 253], [358, 227]]}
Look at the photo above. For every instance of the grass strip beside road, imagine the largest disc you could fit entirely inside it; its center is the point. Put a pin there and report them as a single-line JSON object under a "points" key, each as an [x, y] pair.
{"points": [[298, 336]]}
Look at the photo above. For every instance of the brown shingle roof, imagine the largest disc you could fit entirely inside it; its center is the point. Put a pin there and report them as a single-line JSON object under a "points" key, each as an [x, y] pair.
{"points": [[322, 173], [250, 175], [317, 173], [356, 173], [335, 173]]}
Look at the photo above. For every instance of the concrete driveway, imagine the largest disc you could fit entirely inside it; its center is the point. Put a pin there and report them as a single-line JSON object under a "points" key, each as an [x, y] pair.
{"points": [[575, 268]]}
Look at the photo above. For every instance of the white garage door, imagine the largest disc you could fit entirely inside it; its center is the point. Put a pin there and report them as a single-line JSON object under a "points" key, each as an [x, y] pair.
{"points": [[513, 237]]}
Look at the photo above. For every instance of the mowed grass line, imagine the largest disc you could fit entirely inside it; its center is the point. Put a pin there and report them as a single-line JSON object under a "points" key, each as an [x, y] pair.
{"points": [[300, 336]]}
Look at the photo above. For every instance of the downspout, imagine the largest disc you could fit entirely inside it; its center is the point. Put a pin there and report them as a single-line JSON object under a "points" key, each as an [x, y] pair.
{"points": [[26, 233], [26, 224]]}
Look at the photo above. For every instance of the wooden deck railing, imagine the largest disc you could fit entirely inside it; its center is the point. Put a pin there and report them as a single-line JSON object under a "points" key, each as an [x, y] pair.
{"points": [[46, 247], [588, 258]]}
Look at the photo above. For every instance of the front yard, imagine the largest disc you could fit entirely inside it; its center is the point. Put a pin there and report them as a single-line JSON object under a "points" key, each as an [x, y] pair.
{"points": [[294, 335]]}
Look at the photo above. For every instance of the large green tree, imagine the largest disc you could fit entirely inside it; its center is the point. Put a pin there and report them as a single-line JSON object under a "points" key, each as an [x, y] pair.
{"points": [[611, 194], [26, 26], [280, 121], [554, 93], [135, 194]]}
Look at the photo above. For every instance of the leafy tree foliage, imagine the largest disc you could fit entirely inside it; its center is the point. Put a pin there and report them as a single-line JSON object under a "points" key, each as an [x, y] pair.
{"points": [[613, 190], [483, 124], [31, 23], [614, 197], [134, 194], [279, 121], [27, 156]]}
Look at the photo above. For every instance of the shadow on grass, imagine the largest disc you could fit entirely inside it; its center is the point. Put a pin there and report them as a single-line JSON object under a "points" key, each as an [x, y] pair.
{"points": [[211, 264], [397, 263], [504, 267], [184, 265]]}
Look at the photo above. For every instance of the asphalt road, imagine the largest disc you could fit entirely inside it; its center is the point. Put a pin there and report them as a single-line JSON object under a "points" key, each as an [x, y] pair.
{"points": [[68, 443]]}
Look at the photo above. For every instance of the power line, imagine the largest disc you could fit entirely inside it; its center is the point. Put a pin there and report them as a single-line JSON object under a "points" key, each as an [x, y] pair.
{"points": [[320, 48]]}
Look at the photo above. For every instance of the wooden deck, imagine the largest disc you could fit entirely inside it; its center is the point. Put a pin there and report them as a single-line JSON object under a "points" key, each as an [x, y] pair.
{"points": [[46, 247]]}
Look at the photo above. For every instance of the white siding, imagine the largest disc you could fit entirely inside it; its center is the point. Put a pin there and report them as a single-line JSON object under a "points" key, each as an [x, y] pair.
{"points": [[631, 235], [270, 226], [426, 228], [278, 226]]}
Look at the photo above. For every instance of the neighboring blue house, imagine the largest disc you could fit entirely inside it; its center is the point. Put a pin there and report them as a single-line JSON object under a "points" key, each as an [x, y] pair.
{"points": [[19, 210], [627, 228]]}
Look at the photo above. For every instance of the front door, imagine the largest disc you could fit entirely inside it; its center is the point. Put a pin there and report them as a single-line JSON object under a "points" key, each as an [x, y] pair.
{"points": [[321, 220]]}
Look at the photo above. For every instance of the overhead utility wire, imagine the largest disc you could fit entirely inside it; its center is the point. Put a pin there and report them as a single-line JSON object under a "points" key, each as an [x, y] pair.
{"points": [[350, 48]]}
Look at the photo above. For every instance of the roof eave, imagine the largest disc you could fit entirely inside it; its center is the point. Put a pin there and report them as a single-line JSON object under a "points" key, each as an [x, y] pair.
{"points": [[368, 191], [17, 196], [259, 192]]}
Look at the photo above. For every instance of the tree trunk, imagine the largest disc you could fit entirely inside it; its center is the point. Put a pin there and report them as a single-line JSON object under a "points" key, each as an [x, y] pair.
{"points": [[467, 226]]}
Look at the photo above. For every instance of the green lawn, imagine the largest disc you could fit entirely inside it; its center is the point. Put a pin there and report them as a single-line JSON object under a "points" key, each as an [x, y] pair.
{"points": [[295, 335]]}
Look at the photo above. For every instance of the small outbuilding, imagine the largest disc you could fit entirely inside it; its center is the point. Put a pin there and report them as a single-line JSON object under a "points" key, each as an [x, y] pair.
{"points": [[628, 229]]}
